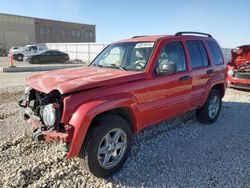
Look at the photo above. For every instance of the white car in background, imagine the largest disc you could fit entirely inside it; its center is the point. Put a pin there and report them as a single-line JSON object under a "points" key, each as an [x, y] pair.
{"points": [[19, 52]]}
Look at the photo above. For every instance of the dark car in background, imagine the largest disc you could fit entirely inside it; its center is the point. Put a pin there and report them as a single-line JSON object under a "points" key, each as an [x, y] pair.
{"points": [[3, 52], [47, 56]]}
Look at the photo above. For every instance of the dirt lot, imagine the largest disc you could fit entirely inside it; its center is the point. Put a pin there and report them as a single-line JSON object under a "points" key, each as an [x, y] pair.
{"points": [[177, 153]]}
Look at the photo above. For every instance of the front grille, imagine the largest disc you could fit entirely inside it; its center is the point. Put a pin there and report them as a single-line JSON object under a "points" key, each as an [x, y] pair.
{"points": [[243, 75]]}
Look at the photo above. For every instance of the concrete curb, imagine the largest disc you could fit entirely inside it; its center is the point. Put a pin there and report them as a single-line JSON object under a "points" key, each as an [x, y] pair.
{"points": [[36, 68]]}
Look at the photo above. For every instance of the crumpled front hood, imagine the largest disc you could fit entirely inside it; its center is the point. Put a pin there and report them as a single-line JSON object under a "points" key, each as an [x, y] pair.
{"points": [[240, 55], [77, 79]]}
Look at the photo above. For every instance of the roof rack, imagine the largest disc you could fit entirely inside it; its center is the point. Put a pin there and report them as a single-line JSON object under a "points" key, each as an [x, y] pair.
{"points": [[191, 32], [139, 36]]}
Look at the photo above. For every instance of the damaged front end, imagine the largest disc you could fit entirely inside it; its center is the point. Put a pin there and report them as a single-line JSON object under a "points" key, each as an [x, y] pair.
{"points": [[239, 68], [44, 111]]}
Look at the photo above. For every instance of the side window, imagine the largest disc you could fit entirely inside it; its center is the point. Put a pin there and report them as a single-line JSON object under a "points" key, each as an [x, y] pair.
{"points": [[29, 48], [34, 48], [48, 53], [56, 53], [173, 53], [197, 53], [215, 51]]}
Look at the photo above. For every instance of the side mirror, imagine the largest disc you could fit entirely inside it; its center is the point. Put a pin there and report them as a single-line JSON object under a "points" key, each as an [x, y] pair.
{"points": [[168, 68]]}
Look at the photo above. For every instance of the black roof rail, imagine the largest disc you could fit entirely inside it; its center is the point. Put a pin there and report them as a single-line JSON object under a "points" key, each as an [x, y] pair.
{"points": [[191, 32], [139, 36]]}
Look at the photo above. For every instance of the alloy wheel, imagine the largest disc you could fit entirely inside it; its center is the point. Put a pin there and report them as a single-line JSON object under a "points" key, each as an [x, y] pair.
{"points": [[112, 148]]}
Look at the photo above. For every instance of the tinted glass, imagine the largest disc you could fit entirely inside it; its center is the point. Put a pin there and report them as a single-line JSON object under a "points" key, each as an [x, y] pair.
{"points": [[215, 51], [173, 53], [76, 33], [198, 54], [44, 30], [47, 53], [56, 53]]}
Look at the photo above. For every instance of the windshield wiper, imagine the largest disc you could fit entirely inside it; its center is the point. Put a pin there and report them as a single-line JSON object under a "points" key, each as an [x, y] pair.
{"points": [[119, 66], [97, 65], [112, 66]]}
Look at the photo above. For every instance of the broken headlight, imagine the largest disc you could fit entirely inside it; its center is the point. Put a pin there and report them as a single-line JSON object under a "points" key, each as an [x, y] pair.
{"points": [[231, 73], [49, 115], [27, 90]]}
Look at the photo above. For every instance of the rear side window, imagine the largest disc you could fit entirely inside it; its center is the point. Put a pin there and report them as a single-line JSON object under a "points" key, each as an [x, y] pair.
{"points": [[56, 53], [198, 54], [48, 53], [215, 51]]}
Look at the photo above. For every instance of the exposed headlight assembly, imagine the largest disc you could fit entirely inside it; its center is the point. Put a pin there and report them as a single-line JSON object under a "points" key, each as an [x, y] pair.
{"points": [[49, 115], [27, 90], [231, 72]]}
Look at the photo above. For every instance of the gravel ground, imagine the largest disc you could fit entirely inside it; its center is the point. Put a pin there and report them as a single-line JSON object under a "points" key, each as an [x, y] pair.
{"points": [[178, 153]]}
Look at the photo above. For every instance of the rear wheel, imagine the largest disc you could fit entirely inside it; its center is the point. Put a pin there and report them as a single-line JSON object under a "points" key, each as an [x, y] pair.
{"points": [[107, 146], [211, 109]]}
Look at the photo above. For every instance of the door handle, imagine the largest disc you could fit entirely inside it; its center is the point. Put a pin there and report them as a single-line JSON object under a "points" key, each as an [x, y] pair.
{"points": [[184, 78], [211, 71]]}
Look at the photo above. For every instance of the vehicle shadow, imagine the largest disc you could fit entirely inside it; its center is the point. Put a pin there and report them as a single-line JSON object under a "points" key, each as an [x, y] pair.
{"points": [[182, 152]]}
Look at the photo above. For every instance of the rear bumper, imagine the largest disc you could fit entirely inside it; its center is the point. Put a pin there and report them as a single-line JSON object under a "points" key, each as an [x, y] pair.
{"points": [[238, 83]]}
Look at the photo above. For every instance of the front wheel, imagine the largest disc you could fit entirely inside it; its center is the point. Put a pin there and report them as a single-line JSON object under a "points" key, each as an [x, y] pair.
{"points": [[107, 146], [34, 61], [210, 111], [19, 57]]}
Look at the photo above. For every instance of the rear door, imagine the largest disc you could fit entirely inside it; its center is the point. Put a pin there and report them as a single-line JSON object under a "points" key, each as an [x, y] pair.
{"points": [[58, 56], [201, 70], [46, 57], [169, 95], [219, 65]]}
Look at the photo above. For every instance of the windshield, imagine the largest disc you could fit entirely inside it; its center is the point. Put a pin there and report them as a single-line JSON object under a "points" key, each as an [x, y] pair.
{"points": [[132, 56]]}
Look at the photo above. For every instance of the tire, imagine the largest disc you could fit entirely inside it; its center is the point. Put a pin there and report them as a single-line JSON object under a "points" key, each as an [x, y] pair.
{"points": [[210, 111], [34, 61], [96, 141], [19, 57]]}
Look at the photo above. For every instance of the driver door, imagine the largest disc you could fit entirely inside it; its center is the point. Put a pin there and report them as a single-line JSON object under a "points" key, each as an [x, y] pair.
{"points": [[168, 95]]}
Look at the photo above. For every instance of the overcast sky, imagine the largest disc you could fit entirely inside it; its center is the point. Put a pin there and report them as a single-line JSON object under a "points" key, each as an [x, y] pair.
{"points": [[227, 20]]}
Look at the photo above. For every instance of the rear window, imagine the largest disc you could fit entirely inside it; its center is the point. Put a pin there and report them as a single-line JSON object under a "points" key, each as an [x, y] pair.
{"points": [[198, 54], [215, 51]]}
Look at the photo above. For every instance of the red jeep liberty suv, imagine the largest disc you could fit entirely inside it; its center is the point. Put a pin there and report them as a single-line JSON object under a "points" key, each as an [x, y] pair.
{"points": [[130, 85]]}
